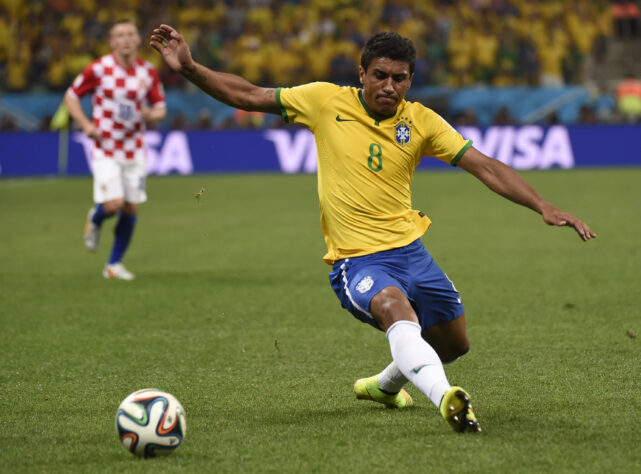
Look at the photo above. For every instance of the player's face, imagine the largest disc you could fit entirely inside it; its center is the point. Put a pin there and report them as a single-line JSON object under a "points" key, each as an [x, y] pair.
{"points": [[124, 39], [384, 84]]}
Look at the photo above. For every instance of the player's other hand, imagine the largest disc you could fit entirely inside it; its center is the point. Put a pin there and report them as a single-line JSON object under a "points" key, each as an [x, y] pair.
{"points": [[91, 131], [153, 114], [146, 114], [173, 48], [553, 216]]}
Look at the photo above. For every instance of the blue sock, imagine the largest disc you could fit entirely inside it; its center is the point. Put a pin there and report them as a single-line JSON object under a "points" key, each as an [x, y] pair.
{"points": [[100, 215], [124, 231]]}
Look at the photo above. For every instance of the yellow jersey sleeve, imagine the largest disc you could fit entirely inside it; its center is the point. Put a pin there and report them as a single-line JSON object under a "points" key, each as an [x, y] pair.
{"points": [[443, 142], [301, 104]]}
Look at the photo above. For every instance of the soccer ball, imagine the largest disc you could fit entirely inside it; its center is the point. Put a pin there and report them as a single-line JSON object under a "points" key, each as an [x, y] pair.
{"points": [[150, 423]]}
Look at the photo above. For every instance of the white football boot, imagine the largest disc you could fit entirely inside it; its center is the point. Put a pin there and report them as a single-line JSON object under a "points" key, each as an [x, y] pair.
{"points": [[117, 271], [92, 232]]}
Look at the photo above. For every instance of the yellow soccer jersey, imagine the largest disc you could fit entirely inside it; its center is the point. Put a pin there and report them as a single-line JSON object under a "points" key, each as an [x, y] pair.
{"points": [[366, 164]]}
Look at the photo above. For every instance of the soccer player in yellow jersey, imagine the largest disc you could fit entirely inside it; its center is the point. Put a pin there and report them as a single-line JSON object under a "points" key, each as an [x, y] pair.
{"points": [[369, 142]]}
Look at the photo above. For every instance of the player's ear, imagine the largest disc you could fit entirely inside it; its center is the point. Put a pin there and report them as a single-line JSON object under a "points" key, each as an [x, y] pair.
{"points": [[361, 74]]}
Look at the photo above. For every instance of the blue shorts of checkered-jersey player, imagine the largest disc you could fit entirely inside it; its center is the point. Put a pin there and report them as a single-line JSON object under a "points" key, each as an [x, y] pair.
{"points": [[412, 269]]}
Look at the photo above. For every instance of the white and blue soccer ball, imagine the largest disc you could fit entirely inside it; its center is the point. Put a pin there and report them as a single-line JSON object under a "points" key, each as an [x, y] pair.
{"points": [[151, 423]]}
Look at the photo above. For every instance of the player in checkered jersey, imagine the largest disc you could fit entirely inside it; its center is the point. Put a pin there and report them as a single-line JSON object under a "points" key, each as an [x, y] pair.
{"points": [[126, 93]]}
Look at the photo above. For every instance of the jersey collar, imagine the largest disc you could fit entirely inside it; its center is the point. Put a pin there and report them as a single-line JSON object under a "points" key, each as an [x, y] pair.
{"points": [[378, 118], [127, 69]]}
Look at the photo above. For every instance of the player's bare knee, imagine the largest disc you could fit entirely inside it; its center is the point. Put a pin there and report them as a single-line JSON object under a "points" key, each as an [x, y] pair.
{"points": [[459, 348], [383, 305], [113, 206], [463, 347], [391, 305], [130, 208], [452, 350]]}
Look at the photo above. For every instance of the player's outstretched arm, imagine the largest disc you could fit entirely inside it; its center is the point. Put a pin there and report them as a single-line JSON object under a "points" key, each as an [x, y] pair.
{"points": [[227, 88], [505, 181]]}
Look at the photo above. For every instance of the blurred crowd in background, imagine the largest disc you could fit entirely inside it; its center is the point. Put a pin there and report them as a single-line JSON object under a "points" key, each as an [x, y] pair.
{"points": [[44, 44]]}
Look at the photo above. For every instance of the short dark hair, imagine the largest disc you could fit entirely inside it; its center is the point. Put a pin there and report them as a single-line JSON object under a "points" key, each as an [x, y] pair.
{"points": [[388, 44], [123, 21]]}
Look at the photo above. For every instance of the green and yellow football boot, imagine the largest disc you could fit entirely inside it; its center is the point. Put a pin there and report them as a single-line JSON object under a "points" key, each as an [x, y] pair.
{"points": [[457, 411], [368, 389]]}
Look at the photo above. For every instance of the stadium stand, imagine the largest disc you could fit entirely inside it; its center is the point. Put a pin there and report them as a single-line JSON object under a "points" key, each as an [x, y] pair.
{"points": [[481, 46]]}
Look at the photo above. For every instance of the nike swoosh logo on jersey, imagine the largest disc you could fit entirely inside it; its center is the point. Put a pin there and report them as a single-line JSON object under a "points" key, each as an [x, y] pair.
{"points": [[339, 119]]}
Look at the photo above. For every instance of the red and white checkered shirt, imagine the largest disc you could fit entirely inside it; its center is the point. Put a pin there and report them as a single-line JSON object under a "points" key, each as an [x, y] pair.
{"points": [[119, 94]]}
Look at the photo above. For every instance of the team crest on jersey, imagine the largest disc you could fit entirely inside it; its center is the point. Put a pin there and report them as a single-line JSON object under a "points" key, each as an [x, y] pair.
{"points": [[365, 284], [402, 133]]}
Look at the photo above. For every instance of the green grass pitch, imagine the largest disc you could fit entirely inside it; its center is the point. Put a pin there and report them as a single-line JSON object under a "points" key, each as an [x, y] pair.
{"points": [[232, 312]]}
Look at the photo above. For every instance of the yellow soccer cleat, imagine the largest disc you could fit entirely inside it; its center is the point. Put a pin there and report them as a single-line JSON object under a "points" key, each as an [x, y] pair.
{"points": [[368, 389], [457, 411]]}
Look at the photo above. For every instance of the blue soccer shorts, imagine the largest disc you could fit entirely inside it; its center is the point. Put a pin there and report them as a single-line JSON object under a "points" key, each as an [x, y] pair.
{"points": [[412, 269]]}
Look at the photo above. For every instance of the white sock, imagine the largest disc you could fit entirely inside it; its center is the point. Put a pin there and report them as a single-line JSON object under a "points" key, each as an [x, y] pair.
{"points": [[417, 361], [391, 379]]}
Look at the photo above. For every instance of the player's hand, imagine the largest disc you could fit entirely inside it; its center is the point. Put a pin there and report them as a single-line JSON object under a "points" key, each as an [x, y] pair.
{"points": [[554, 216], [153, 114], [173, 48], [91, 131], [145, 113]]}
